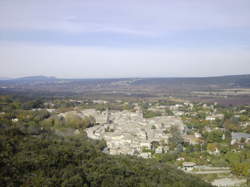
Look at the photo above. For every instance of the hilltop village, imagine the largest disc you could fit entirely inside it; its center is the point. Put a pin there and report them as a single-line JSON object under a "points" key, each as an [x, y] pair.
{"points": [[152, 129], [129, 133], [191, 136]]}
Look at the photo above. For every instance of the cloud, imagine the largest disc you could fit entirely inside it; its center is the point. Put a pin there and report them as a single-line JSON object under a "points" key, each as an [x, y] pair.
{"points": [[92, 62], [125, 17], [152, 38]]}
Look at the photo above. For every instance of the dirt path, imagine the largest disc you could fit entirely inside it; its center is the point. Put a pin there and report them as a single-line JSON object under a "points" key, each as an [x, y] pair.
{"points": [[210, 172]]}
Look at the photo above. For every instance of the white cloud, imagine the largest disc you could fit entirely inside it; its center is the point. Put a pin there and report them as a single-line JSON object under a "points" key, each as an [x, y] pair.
{"points": [[86, 62], [127, 17]]}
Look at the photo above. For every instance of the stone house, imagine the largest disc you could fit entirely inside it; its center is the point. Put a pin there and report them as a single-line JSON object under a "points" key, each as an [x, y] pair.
{"points": [[188, 166], [239, 137]]}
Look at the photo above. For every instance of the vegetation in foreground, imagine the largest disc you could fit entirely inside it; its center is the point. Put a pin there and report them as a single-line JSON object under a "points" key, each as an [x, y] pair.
{"points": [[33, 135], [40, 158]]}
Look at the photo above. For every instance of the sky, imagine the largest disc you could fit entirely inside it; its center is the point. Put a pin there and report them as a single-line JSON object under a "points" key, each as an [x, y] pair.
{"points": [[115, 38]]}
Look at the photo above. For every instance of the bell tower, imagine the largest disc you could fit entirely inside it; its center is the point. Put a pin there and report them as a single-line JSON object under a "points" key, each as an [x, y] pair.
{"points": [[107, 116]]}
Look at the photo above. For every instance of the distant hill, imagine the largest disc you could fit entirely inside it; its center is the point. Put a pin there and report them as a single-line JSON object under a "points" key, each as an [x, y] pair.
{"points": [[225, 81], [4, 78], [139, 87], [35, 78], [30, 80], [230, 81]]}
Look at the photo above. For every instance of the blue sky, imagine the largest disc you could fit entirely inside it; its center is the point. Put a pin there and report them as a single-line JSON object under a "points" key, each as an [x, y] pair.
{"points": [[113, 38]]}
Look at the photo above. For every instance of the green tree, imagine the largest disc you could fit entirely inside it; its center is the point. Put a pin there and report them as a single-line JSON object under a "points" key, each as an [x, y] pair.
{"points": [[176, 138]]}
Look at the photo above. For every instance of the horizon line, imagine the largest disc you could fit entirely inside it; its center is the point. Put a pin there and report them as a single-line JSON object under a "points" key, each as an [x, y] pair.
{"points": [[130, 77]]}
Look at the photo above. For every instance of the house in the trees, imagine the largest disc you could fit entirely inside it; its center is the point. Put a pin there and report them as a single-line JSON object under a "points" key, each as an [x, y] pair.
{"points": [[188, 166], [239, 137]]}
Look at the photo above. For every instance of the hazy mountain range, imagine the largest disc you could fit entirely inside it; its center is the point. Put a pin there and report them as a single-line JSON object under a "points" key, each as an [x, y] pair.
{"points": [[139, 87], [231, 80]]}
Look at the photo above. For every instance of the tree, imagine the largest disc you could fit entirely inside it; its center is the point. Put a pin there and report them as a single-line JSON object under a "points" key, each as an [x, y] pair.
{"points": [[212, 147], [231, 126], [176, 137], [214, 136], [154, 144]]}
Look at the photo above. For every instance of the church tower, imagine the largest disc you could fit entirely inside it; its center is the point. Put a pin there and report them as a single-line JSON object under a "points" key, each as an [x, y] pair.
{"points": [[107, 116]]}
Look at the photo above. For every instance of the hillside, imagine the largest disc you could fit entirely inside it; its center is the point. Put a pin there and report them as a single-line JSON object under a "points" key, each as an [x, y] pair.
{"points": [[230, 81], [29, 80], [30, 156], [193, 82], [132, 87]]}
